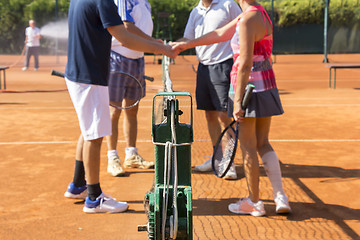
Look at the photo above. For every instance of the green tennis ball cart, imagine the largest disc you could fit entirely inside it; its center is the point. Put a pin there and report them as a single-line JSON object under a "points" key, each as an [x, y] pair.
{"points": [[168, 204]]}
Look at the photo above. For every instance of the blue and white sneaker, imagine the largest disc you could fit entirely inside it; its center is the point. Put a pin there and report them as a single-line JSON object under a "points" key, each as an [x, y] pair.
{"points": [[76, 192], [104, 204]]}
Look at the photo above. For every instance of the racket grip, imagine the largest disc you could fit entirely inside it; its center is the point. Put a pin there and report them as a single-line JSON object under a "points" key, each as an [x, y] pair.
{"points": [[247, 96], [57, 73], [151, 79]]}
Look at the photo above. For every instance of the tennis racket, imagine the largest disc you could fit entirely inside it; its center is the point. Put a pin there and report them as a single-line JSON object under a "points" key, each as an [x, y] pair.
{"points": [[133, 84], [225, 148]]}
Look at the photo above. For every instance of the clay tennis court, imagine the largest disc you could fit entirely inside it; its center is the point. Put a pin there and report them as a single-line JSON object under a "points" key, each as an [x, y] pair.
{"points": [[317, 140]]}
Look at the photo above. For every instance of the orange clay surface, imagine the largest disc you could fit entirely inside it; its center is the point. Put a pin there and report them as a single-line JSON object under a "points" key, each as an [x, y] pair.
{"points": [[317, 140]]}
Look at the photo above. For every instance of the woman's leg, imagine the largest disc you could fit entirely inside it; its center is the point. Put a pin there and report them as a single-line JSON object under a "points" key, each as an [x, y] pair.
{"points": [[248, 144], [271, 164], [268, 155]]}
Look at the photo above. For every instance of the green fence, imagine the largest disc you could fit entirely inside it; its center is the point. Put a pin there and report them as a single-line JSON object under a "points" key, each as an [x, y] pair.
{"points": [[299, 26]]}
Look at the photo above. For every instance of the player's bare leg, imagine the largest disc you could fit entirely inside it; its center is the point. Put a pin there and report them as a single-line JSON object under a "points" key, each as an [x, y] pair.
{"points": [[250, 205], [77, 188], [113, 138], [91, 159], [132, 157], [79, 148], [130, 123], [247, 138], [213, 124], [114, 164]]}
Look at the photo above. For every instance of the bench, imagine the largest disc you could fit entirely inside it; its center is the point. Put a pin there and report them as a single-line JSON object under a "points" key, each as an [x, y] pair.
{"points": [[336, 66], [3, 68]]}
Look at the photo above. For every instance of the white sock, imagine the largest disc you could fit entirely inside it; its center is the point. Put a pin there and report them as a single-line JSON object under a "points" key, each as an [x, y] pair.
{"points": [[129, 151], [273, 171], [112, 153]]}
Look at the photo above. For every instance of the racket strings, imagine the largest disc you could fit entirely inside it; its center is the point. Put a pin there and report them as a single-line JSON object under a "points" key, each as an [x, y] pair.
{"points": [[224, 152]]}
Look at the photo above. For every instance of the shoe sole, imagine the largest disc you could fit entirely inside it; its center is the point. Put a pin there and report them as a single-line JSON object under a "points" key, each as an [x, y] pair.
{"points": [[197, 169], [137, 166], [254, 214], [283, 211], [74, 196], [229, 178], [98, 210], [116, 175]]}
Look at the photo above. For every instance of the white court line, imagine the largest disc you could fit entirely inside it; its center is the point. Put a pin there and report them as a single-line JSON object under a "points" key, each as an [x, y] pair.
{"points": [[196, 140], [194, 106]]}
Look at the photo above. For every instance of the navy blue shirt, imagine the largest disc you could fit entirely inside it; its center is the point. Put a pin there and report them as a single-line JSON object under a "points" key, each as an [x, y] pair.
{"points": [[89, 42]]}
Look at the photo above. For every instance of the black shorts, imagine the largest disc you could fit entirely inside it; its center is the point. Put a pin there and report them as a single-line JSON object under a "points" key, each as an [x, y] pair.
{"points": [[212, 86]]}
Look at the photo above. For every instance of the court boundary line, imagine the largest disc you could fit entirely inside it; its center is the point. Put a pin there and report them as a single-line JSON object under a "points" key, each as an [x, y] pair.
{"points": [[186, 106], [196, 140]]}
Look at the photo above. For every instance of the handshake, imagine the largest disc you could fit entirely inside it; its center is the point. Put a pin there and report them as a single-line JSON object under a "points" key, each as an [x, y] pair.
{"points": [[172, 49]]}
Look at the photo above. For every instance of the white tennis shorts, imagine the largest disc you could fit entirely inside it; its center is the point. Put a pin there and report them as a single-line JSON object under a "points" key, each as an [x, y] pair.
{"points": [[91, 103]]}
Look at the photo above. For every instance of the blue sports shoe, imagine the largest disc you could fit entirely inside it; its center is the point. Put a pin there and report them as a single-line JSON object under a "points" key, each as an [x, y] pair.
{"points": [[103, 204], [76, 192]]}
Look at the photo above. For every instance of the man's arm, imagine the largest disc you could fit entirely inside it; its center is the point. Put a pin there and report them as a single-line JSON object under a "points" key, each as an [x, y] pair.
{"points": [[131, 27], [132, 41]]}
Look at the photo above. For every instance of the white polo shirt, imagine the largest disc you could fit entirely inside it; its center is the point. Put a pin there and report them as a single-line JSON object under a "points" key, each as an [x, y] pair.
{"points": [[32, 39], [203, 20]]}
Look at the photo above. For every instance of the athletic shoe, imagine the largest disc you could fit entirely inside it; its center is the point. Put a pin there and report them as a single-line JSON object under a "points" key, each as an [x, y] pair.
{"points": [[35, 69], [231, 174], [114, 167], [24, 68], [205, 167], [246, 206], [136, 161], [282, 204], [76, 192], [103, 204]]}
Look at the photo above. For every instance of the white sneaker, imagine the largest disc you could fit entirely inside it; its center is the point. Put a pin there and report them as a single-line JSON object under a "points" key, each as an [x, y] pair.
{"points": [[282, 204], [246, 206], [24, 68], [205, 167], [103, 204], [231, 174], [136, 161], [114, 167]]}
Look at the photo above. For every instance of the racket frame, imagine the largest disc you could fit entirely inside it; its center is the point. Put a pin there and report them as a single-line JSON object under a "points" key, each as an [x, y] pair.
{"points": [[213, 159], [139, 85], [244, 103], [61, 74]]}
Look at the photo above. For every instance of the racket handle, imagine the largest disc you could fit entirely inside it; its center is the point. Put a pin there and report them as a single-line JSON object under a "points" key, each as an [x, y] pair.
{"points": [[247, 96], [57, 73], [151, 79]]}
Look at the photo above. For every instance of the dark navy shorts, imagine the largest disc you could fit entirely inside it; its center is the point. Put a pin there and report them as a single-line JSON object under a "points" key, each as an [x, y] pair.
{"points": [[121, 86], [212, 86]]}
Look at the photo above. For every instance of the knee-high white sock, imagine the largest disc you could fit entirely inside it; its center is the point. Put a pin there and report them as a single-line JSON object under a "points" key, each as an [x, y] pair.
{"points": [[273, 171]]}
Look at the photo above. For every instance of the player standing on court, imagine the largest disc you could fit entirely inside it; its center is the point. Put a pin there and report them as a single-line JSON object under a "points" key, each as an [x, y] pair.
{"points": [[91, 24], [136, 15], [32, 44], [252, 46], [215, 63]]}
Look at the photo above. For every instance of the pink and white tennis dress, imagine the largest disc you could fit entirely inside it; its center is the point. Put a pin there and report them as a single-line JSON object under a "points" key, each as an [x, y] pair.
{"points": [[265, 101]]}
